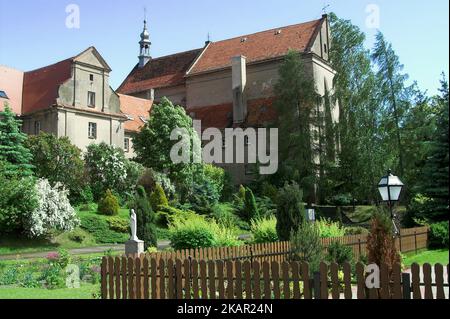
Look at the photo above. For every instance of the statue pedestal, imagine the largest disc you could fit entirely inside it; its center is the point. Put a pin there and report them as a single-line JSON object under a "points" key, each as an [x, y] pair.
{"points": [[134, 247]]}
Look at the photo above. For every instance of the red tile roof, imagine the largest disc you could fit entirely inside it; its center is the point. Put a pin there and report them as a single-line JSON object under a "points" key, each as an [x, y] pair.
{"points": [[135, 109], [40, 87], [260, 112], [160, 72], [258, 46]]}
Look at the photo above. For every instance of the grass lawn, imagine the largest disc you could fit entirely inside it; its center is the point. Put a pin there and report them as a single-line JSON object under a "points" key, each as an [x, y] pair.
{"points": [[427, 256], [84, 292]]}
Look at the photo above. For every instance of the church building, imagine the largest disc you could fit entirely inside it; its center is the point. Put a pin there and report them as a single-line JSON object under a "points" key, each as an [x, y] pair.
{"points": [[230, 83]]}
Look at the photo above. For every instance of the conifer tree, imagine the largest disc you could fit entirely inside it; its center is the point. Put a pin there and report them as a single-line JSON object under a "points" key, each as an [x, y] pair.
{"points": [[145, 219], [16, 156], [250, 208], [290, 210]]}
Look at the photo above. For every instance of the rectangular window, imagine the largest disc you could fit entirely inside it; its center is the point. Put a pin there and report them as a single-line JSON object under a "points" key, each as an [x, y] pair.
{"points": [[126, 144], [92, 130], [91, 77], [37, 127], [91, 99]]}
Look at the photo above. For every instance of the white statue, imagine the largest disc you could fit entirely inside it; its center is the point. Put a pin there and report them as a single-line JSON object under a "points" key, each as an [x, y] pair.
{"points": [[133, 226]]}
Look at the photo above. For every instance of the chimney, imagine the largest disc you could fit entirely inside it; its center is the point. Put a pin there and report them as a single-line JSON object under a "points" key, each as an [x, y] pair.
{"points": [[239, 82]]}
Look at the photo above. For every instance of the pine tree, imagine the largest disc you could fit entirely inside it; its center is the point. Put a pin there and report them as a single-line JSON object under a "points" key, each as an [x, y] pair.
{"points": [[434, 183], [158, 198], [145, 219], [12, 149]]}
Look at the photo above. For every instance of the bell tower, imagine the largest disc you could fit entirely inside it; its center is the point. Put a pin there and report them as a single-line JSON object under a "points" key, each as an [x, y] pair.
{"points": [[144, 45]]}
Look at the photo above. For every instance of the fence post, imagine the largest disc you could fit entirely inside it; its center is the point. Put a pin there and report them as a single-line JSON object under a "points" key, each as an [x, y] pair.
{"points": [[415, 241], [317, 285], [400, 241], [359, 247], [406, 283], [175, 290]]}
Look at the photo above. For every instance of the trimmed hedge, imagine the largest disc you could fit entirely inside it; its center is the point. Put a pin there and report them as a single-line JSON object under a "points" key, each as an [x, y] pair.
{"points": [[439, 235]]}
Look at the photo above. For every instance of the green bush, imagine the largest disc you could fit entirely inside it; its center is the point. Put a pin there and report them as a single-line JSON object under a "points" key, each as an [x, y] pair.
{"points": [[340, 200], [167, 214], [270, 191], [158, 198], [99, 228], [216, 176], [225, 237], [77, 236], [328, 228], [439, 235], [108, 205], [264, 230], [290, 210], [194, 232], [307, 245], [339, 253], [356, 230], [119, 224]]}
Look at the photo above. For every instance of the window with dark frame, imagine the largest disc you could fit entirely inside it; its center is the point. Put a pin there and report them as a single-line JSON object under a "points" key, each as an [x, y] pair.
{"points": [[92, 130], [126, 145], [91, 99], [91, 77]]}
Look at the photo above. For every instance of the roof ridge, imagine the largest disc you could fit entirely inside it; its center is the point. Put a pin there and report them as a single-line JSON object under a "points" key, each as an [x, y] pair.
{"points": [[268, 30], [178, 53]]}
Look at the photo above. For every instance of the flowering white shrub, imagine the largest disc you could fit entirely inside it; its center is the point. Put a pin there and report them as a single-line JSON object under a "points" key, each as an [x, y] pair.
{"points": [[53, 212]]}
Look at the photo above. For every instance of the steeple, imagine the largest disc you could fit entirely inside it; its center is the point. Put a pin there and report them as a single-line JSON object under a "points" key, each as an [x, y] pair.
{"points": [[144, 45]]}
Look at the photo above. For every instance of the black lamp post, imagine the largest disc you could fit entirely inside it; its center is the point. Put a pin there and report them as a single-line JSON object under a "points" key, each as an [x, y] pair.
{"points": [[390, 188]]}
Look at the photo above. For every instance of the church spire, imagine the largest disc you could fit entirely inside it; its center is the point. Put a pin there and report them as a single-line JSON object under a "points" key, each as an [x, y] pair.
{"points": [[144, 44]]}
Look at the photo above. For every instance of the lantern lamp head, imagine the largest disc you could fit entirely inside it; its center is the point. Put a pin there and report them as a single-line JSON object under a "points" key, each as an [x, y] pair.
{"points": [[390, 187]]}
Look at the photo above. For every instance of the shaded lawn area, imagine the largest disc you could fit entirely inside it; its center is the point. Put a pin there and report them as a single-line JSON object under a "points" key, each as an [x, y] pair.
{"points": [[86, 291], [427, 256]]}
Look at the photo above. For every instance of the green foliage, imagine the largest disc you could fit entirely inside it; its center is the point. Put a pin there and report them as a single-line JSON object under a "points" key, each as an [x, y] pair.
{"points": [[355, 230], [18, 199], [195, 232], [108, 168], [264, 230], [228, 187], [296, 96], [307, 245], [13, 152], [345, 199], [108, 205], [290, 210], [119, 225], [328, 228], [59, 161], [270, 191], [77, 236], [216, 176], [439, 235], [153, 144], [167, 214], [146, 219], [339, 253], [158, 198], [99, 228], [150, 178], [250, 210]]}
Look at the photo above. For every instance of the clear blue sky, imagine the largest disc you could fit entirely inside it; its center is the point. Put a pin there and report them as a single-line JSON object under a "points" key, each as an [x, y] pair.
{"points": [[33, 33]]}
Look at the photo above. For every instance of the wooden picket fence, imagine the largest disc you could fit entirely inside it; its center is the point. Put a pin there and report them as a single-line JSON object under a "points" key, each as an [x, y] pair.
{"points": [[146, 278], [411, 239]]}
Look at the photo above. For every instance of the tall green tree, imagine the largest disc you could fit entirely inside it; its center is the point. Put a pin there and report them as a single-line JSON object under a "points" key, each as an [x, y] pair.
{"points": [[58, 161], [153, 144], [13, 151], [434, 177], [391, 82], [360, 143], [296, 100]]}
